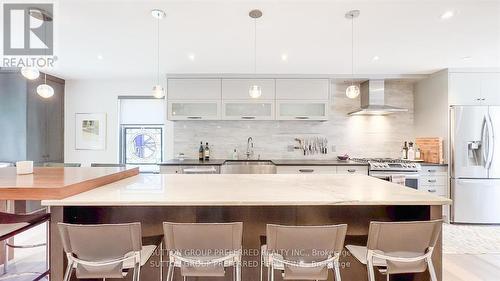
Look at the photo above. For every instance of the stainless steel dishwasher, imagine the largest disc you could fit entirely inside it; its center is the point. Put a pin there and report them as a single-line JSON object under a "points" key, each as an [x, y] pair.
{"points": [[248, 167]]}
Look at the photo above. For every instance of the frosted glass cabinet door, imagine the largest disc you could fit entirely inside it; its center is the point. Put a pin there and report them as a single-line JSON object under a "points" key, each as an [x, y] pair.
{"points": [[194, 110], [248, 110], [302, 110]]}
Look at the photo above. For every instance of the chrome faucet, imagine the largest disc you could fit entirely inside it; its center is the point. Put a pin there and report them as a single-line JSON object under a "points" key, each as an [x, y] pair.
{"points": [[249, 152]]}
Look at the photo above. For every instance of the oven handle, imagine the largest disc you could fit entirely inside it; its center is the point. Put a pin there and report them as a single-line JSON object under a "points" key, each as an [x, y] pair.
{"points": [[385, 175]]}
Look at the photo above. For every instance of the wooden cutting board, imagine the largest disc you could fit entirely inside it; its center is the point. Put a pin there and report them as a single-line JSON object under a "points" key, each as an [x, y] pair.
{"points": [[431, 149]]}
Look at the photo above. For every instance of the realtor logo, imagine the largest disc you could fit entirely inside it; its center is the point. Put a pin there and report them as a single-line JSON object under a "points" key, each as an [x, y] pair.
{"points": [[28, 30]]}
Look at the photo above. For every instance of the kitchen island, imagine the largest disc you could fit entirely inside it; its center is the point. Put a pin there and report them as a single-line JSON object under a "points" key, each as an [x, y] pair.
{"points": [[254, 200]]}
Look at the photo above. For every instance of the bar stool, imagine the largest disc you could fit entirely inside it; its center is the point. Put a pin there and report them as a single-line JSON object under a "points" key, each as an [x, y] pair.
{"points": [[399, 247], [106, 250], [303, 252], [203, 249], [14, 224]]}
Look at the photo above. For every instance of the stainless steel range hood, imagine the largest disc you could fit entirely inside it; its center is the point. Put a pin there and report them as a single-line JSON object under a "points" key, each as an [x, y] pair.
{"points": [[373, 100]]}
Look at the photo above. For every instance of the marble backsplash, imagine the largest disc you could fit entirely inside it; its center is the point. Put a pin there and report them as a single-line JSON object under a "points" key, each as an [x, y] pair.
{"points": [[358, 136]]}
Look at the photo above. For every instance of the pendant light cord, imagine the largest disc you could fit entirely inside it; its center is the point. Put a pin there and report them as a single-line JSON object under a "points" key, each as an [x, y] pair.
{"points": [[255, 47], [352, 50], [158, 53]]}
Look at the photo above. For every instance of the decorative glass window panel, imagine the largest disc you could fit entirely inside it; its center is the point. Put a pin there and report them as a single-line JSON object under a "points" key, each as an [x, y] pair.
{"points": [[143, 145]]}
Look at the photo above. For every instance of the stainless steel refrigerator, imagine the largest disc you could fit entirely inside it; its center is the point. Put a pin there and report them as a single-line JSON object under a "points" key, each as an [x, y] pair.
{"points": [[475, 164]]}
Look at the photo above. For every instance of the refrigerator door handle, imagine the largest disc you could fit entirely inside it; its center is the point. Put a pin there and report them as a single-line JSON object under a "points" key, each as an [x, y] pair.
{"points": [[491, 141], [484, 140]]}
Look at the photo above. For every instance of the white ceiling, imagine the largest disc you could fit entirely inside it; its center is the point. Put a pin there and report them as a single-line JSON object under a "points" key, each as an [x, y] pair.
{"points": [[408, 36]]}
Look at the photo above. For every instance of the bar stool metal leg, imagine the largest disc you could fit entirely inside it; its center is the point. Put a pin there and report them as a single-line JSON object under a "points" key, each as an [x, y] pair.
{"points": [[432, 272], [5, 257], [170, 271], [69, 271], [336, 271]]}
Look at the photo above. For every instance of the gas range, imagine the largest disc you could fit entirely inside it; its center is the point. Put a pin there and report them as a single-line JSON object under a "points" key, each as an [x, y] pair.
{"points": [[389, 164], [388, 168]]}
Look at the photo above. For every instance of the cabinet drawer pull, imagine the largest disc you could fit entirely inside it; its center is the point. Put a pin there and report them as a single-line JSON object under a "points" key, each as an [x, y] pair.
{"points": [[431, 171], [352, 170], [194, 117], [301, 117], [248, 117], [306, 170], [432, 180], [432, 190]]}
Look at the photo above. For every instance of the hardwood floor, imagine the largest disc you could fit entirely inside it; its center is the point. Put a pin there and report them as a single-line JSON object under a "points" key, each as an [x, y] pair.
{"points": [[463, 267]]}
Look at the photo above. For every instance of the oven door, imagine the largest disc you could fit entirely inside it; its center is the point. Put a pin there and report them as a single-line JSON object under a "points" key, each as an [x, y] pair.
{"points": [[411, 179]]}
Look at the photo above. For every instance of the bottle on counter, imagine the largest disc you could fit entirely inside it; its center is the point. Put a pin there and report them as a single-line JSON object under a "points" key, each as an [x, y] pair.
{"points": [[235, 154], [411, 152], [207, 152], [201, 152], [404, 151], [418, 155]]}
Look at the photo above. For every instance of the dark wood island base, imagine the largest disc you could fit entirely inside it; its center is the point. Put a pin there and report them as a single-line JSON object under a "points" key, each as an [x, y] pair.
{"points": [[254, 220]]}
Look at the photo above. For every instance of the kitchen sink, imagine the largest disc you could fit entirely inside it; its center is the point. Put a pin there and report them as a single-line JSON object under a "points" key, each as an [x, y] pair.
{"points": [[248, 167]]}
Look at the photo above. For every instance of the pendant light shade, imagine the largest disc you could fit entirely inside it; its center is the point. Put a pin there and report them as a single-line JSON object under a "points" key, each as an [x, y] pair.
{"points": [[255, 91], [45, 91], [352, 91], [30, 73], [158, 91]]}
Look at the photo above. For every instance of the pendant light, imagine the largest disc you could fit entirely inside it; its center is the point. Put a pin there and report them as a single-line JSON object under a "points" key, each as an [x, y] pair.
{"points": [[255, 91], [44, 90], [352, 91], [158, 91], [30, 73]]}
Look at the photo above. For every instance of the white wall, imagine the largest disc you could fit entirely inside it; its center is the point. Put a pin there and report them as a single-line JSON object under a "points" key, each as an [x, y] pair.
{"points": [[431, 108], [93, 96]]}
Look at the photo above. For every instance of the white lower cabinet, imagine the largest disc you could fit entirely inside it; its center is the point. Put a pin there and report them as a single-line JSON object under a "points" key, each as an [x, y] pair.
{"points": [[189, 169], [434, 179], [302, 110], [194, 110], [306, 170], [248, 110], [345, 170], [352, 170]]}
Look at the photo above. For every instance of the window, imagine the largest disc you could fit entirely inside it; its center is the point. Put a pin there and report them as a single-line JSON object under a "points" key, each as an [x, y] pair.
{"points": [[142, 132], [142, 145]]}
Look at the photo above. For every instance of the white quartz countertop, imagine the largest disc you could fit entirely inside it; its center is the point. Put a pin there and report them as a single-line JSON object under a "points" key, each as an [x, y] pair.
{"points": [[249, 190]]}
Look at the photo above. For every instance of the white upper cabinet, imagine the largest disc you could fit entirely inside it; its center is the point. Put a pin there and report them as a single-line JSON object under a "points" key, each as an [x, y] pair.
{"points": [[302, 110], [302, 89], [490, 88], [237, 89], [194, 89], [248, 109], [194, 110], [474, 88]]}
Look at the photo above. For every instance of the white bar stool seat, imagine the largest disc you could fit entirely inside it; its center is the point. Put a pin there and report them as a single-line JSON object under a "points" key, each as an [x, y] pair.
{"points": [[399, 247]]}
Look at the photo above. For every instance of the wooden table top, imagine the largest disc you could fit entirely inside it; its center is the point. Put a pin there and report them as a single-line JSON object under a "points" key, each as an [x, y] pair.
{"points": [[57, 183]]}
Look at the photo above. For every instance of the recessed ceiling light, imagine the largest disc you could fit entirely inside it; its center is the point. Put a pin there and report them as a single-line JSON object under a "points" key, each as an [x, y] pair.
{"points": [[100, 57], [467, 58], [284, 57], [447, 15], [375, 58], [191, 57]]}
